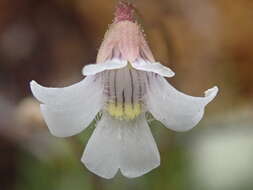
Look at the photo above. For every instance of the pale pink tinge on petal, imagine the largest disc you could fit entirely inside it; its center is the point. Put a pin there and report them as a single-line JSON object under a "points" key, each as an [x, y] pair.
{"points": [[145, 51], [129, 43], [124, 39], [121, 41], [105, 50]]}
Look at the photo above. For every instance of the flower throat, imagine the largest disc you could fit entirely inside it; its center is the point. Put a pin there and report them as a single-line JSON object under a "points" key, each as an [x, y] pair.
{"points": [[124, 89]]}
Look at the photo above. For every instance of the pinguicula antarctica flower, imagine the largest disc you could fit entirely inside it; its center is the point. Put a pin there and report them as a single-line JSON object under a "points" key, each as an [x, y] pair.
{"points": [[125, 83]]}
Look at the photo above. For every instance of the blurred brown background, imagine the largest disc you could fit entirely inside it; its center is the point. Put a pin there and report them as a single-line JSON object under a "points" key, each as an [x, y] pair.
{"points": [[206, 43]]}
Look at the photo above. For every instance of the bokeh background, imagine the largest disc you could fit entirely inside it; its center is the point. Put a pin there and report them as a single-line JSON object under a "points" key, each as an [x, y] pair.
{"points": [[206, 42]]}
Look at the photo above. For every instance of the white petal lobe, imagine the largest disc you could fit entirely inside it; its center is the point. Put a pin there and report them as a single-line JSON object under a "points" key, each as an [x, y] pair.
{"points": [[108, 65], [177, 111], [101, 155], [153, 67], [60, 96], [67, 111], [139, 153], [115, 144]]}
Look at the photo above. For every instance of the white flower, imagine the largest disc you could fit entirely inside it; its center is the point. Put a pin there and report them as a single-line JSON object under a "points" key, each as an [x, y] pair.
{"points": [[125, 83]]}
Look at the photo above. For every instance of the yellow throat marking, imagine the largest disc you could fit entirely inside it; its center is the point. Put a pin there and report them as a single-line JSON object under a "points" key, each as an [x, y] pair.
{"points": [[126, 111]]}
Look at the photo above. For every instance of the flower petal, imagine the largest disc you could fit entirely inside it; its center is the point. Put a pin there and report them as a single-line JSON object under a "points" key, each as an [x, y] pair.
{"points": [[129, 43], [128, 145], [153, 67], [145, 50], [60, 96], [139, 153], [67, 111], [92, 69], [101, 155], [177, 111]]}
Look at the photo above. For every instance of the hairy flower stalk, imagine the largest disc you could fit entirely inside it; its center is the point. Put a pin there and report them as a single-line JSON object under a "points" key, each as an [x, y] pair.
{"points": [[124, 84]]}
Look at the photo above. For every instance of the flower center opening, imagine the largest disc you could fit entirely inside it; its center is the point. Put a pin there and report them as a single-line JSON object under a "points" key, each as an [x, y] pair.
{"points": [[124, 89]]}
